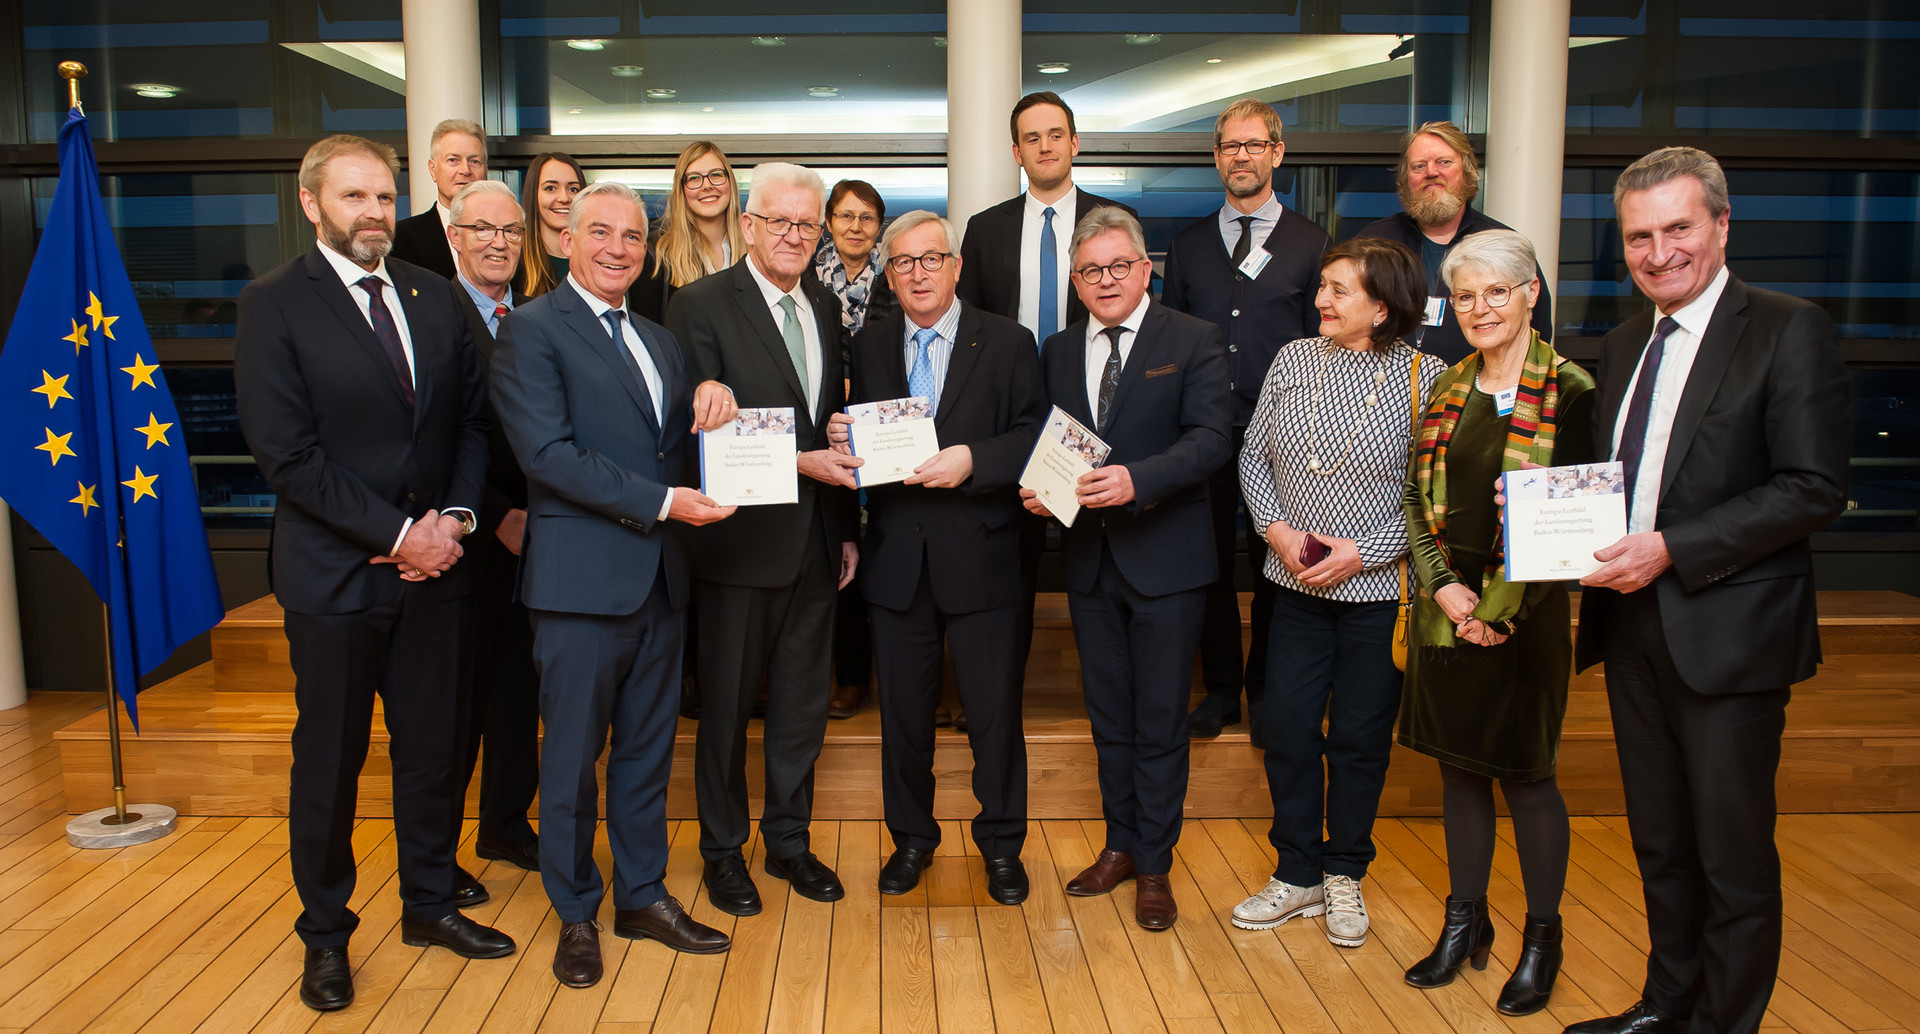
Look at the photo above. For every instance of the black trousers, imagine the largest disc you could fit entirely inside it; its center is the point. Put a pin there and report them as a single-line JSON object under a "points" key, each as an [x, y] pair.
{"points": [[1033, 542], [852, 638], [1136, 671], [408, 654], [1220, 662], [503, 711], [1699, 776], [781, 638], [908, 645]]}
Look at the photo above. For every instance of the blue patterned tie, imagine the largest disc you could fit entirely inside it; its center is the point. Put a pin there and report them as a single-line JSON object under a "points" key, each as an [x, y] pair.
{"points": [[920, 378], [1049, 279]]}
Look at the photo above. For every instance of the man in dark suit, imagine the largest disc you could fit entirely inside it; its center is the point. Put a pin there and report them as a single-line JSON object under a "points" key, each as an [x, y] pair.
{"points": [[596, 403], [503, 689], [360, 396], [458, 157], [1251, 270], [943, 551], [764, 581], [1152, 383], [1727, 407]]}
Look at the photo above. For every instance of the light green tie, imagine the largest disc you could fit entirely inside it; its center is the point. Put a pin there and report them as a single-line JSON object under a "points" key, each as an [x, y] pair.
{"points": [[796, 340]]}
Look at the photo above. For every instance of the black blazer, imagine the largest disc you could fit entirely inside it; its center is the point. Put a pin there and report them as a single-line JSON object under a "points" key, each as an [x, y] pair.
{"points": [[1446, 340], [1256, 317], [1757, 463], [992, 401], [990, 255], [422, 240], [1168, 427], [321, 409], [506, 487], [727, 332]]}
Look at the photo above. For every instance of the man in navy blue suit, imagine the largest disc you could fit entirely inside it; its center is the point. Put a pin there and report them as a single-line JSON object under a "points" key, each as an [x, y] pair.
{"points": [[596, 404]]}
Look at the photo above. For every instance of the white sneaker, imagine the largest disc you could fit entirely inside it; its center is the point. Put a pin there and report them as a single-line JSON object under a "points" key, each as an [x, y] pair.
{"points": [[1346, 911], [1276, 903]]}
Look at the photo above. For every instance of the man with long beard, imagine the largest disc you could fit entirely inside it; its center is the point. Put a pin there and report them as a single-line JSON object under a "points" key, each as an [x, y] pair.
{"points": [[1439, 178]]}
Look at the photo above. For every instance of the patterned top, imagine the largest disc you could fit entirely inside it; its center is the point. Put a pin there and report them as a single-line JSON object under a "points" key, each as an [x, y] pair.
{"points": [[855, 292], [1313, 409]]}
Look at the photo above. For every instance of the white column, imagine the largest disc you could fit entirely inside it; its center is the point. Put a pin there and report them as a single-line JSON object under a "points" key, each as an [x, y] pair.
{"points": [[1527, 122], [442, 38], [13, 667], [983, 83]]}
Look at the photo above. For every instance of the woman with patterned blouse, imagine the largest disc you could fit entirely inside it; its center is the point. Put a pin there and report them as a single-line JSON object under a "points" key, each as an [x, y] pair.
{"points": [[1323, 469], [848, 260]]}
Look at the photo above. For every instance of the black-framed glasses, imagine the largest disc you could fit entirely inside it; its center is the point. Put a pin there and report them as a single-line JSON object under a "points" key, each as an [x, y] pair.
{"points": [[488, 231], [779, 227], [1120, 269], [932, 262], [1254, 148], [1497, 298], [716, 178]]}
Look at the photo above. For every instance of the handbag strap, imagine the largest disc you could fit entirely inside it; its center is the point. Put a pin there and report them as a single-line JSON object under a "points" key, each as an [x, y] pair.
{"points": [[1413, 395]]}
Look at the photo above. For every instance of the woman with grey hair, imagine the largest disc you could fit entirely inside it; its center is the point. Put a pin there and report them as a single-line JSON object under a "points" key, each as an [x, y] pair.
{"points": [[1488, 659]]}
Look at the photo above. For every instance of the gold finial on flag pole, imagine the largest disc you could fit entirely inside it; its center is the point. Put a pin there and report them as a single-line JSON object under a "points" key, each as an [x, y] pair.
{"points": [[73, 72]]}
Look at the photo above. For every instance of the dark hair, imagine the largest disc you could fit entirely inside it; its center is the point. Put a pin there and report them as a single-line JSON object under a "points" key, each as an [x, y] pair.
{"points": [[538, 274], [862, 191], [1034, 100], [1390, 274]]}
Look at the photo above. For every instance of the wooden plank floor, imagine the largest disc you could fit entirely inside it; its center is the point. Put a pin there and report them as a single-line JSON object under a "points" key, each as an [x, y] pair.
{"points": [[193, 933]]}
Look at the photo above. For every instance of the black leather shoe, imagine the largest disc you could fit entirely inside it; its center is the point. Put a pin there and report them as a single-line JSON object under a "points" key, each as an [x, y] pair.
{"points": [[1006, 880], [523, 853], [902, 871], [576, 959], [730, 888], [327, 982], [1465, 936], [457, 934], [1254, 735], [1531, 984], [1640, 1019], [1216, 712], [809, 876], [665, 921], [468, 891]]}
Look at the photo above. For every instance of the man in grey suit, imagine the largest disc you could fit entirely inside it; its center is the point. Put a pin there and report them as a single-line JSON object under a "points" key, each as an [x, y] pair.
{"points": [[597, 406]]}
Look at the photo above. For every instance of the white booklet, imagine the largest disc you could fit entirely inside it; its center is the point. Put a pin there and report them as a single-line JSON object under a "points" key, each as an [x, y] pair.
{"points": [[892, 437], [1556, 517], [1066, 450], [752, 460]]}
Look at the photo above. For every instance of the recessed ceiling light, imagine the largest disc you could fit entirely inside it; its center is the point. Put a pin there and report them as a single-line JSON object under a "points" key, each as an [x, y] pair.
{"points": [[573, 111], [627, 71], [1054, 67], [1143, 39], [658, 93], [707, 108], [939, 41], [769, 41], [823, 91], [158, 91], [1213, 61], [589, 45]]}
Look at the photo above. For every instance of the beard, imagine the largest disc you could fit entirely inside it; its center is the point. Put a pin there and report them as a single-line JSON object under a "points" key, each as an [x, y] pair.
{"points": [[1430, 209], [1249, 189], [348, 242]]}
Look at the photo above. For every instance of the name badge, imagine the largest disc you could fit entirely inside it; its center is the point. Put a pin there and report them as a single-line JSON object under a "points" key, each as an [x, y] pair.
{"points": [[1503, 400], [1436, 309], [1255, 261]]}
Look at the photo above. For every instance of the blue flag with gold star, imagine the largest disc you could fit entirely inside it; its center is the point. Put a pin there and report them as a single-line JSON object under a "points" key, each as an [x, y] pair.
{"points": [[91, 449]]}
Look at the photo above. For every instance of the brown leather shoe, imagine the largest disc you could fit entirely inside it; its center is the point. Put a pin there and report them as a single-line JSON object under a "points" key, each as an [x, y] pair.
{"points": [[576, 959], [665, 921], [1153, 906], [1103, 875], [846, 701]]}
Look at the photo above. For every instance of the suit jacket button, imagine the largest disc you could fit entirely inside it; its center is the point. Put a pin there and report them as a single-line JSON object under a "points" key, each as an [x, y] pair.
{"points": [[918, 528], [659, 455], [419, 441], [1236, 312], [411, 497]]}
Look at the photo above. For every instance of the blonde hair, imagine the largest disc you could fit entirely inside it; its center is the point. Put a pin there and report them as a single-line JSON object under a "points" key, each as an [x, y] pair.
{"points": [[1248, 107], [679, 248], [313, 168]]}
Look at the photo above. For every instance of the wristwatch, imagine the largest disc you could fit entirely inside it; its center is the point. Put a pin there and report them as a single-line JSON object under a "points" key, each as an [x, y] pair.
{"points": [[468, 525]]}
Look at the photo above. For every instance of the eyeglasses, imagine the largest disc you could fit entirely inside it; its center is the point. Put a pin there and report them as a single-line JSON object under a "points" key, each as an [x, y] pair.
{"points": [[856, 218], [1439, 165], [779, 227], [716, 178], [1120, 269], [932, 262], [1254, 148], [487, 231], [1463, 301]]}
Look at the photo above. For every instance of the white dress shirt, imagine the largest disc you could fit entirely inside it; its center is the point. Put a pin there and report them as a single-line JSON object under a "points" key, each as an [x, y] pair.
{"points": [[446, 220], [1676, 362], [1033, 221], [809, 328], [939, 352], [1264, 219], [650, 373], [1098, 348]]}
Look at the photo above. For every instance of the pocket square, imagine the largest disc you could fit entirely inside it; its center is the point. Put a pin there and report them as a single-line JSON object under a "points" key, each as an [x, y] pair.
{"points": [[1162, 371]]}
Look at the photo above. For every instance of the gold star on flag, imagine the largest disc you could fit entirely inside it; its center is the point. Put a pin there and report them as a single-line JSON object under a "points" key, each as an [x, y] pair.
{"points": [[54, 389], [78, 337], [101, 321], [142, 485], [155, 431], [56, 445], [85, 498], [142, 373]]}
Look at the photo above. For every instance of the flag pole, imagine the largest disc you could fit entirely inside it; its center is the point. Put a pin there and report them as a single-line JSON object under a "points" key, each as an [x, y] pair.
{"points": [[120, 816]]}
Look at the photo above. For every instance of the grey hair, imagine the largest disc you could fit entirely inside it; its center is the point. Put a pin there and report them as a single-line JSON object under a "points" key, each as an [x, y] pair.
{"points": [[476, 188], [613, 188], [1503, 254], [1107, 219], [911, 221], [1670, 163], [457, 125], [786, 174]]}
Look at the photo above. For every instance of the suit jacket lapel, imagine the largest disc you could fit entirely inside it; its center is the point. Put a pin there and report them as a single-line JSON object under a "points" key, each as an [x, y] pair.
{"points": [[425, 346], [893, 361], [1075, 403], [1613, 393], [966, 355], [578, 316], [753, 306], [1139, 358], [341, 301], [1710, 362]]}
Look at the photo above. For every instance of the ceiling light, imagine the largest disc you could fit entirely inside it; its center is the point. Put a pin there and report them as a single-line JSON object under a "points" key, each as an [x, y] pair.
{"points": [[708, 108], [769, 41], [627, 71], [1143, 39], [158, 91], [1054, 67], [1213, 61], [589, 45], [823, 91], [573, 111], [659, 93]]}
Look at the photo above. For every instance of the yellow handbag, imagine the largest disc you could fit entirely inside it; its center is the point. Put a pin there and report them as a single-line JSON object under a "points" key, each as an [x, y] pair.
{"points": [[1403, 618]]}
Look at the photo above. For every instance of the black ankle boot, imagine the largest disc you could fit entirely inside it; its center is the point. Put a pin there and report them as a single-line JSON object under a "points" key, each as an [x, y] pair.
{"points": [[1532, 981], [1467, 935]]}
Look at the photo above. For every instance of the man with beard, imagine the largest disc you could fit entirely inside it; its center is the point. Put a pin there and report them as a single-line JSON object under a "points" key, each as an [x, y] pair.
{"points": [[360, 395], [1438, 179], [1251, 270]]}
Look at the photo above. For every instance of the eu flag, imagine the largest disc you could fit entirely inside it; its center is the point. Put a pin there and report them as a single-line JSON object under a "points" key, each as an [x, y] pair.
{"points": [[91, 449]]}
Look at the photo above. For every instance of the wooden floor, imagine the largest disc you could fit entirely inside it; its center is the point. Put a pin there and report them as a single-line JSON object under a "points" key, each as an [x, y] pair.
{"points": [[193, 933]]}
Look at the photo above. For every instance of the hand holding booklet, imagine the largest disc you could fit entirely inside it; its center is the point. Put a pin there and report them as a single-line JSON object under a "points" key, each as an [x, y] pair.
{"points": [[1556, 517], [752, 460], [892, 438], [1066, 451]]}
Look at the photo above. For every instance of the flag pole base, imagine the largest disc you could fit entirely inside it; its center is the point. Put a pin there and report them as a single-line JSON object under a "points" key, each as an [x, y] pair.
{"points": [[101, 830]]}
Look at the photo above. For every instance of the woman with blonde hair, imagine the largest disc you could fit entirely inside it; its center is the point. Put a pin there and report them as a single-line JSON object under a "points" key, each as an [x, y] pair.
{"points": [[553, 179], [699, 231]]}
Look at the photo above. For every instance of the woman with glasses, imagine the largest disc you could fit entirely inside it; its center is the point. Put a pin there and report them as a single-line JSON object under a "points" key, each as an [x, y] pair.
{"points": [[1322, 470], [547, 196], [1488, 659], [698, 234], [847, 260]]}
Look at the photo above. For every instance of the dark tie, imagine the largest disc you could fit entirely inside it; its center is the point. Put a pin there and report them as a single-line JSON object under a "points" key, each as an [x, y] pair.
{"points": [[1109, 379], [388, 333], [615, 318], [1245, 244], [1049, 279], [1633, 433]]}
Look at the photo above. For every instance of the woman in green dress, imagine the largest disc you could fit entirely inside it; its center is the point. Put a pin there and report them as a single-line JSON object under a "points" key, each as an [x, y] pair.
{"points": [[1488, 659]]}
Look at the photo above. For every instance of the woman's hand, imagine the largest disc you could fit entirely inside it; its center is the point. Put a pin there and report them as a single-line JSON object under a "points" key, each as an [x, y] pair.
{"points": [[1478, 632], [1342, 562], [1457, 601], [1285, 543]]}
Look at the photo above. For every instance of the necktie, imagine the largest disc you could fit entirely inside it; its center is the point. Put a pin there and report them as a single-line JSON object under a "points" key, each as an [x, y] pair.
{"points": [[388, 333], [1049, 279], [1245, 244], [796, 340], [615, 319], [920, 378], [500, 309], [1109, 379], [1633, 433]]}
